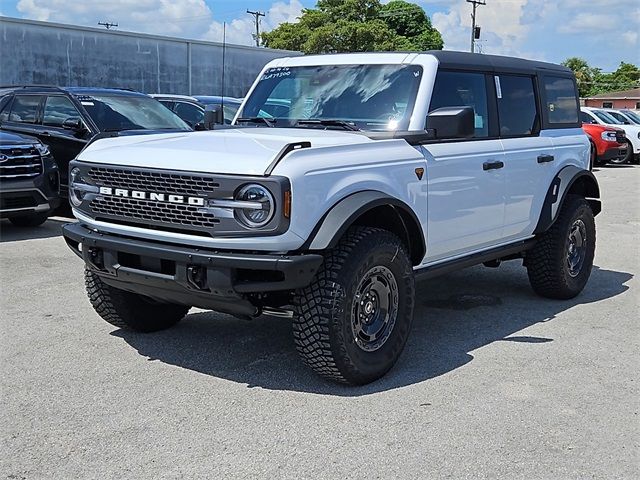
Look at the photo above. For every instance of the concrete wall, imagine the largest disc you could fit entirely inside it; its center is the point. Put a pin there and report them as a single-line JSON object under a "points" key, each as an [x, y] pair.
{"points": [[64, 55]]}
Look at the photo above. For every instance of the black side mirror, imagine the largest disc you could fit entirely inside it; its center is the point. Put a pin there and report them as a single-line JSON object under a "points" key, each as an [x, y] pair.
{"points": [[213, 115], [73, 123], [199, 127], [452, 122]]}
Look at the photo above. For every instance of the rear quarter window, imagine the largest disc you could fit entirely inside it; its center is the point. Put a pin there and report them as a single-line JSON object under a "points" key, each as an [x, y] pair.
{"points": [[561, 101], [25, 108]]}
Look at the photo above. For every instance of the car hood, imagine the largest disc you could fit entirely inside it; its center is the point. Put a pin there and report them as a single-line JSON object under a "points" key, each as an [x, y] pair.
{"points": [[245, 151], [8, 139]]}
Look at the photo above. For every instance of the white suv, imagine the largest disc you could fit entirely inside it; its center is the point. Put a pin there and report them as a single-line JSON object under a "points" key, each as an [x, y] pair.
{"points": [[600, 116], [378, 169]]}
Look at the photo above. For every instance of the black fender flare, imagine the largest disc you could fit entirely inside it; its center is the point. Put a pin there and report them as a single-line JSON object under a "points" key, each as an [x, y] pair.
{"points": [[570, 179], [347, 211]]}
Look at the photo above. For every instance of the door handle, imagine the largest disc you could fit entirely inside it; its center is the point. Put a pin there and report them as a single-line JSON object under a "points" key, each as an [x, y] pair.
{"points": [[492, 165], [45, 134], [545, 158]]}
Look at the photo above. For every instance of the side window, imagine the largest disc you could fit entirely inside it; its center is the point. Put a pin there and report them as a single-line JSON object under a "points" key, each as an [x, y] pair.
{"points": [[57, 110], [189, 113], [586, 118], [607, 104], [167, 103], [459, 89], [24, 108], [561, 100], [517, 108], [5, 106]]}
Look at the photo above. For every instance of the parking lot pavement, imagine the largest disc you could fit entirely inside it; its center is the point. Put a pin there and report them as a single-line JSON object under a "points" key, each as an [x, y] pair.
{"points": [[494, 383]]}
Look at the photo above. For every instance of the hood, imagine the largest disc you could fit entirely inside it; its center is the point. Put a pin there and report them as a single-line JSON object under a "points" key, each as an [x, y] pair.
{"points": [[8, 139], [244, 151]]}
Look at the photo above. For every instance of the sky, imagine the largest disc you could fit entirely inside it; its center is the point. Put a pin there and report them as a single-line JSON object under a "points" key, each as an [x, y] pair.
{"points": [[604, 32]]}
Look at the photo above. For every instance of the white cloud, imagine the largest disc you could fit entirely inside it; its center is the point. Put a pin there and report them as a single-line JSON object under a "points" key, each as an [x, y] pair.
{"points": [[241, 30], [169, 17]]}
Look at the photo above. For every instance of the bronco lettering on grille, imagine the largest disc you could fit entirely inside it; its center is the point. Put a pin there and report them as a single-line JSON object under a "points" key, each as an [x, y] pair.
{"points": [[158, 197]]}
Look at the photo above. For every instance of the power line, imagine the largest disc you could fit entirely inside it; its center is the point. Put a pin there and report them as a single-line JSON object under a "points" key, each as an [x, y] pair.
{"points": [[257, 16], [475, 4]]}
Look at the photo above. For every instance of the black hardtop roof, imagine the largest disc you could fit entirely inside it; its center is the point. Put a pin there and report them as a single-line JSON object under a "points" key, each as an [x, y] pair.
{"points": [[477, 61]]}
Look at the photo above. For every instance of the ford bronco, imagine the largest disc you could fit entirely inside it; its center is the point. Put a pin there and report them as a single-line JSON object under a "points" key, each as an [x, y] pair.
{"points": [[375, 170]]}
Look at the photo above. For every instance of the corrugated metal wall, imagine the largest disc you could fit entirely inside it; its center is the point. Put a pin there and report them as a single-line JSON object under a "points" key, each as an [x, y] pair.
{"points": [[64, 55]]}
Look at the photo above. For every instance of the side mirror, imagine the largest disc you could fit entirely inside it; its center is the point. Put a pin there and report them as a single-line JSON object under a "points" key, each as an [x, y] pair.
{"points": [[213, 115], [73, 123], [199, 127], [452, 122]]}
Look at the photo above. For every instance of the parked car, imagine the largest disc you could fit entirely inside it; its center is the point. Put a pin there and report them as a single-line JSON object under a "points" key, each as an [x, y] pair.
{"points": [[66, 119], [598, 116], [29, 180], [191, 109], [385, 168], [626, 117], [608, 144]]}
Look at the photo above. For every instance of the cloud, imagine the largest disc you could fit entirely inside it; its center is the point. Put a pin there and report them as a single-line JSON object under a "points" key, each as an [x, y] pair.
{"points": [[184, 17], [241, 30]]}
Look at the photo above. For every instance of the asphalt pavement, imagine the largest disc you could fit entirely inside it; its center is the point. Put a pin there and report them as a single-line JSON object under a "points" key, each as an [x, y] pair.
{"points": [[494, 382]]}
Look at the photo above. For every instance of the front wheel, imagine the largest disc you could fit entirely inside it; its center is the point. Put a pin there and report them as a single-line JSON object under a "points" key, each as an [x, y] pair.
{"points": [[129, 310], [351, 324], [559, 264]]}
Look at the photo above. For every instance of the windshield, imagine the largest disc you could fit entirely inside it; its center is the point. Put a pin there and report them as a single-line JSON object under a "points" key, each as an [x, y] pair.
{"points": [[633, 116], [370, 97], [129, 112], [605, 117]]}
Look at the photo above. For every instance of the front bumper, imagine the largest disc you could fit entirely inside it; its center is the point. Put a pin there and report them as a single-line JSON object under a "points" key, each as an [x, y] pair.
{"points": [[222, 281], [613, 153]]}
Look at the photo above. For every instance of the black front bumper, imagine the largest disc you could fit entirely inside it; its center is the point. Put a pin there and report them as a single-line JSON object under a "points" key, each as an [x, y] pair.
{"points": [[222, 281], [612, 154]]}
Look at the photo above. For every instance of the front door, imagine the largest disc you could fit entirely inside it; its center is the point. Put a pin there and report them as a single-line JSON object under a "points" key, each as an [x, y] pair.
{"points": [[466, 197]]}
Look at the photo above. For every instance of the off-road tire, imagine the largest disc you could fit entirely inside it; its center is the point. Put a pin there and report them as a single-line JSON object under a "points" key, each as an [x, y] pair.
{"points": [[33, 220], [547, 262], [129, 310], [322, 323]]}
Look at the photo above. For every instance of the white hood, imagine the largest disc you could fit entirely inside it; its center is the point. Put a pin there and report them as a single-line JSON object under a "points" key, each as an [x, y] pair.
{"points": [[244, 151]]}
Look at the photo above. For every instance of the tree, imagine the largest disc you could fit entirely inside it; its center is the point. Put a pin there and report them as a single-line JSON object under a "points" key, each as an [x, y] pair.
{"points": [[357, 26], [592, 81]]}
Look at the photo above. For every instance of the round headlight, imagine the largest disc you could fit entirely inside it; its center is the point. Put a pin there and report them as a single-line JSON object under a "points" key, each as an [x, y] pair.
{"points": [[259, 207]]}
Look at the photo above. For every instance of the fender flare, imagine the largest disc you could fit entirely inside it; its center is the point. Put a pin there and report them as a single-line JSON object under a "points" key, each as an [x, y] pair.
{"points": [[582, 181], [344, 214]]}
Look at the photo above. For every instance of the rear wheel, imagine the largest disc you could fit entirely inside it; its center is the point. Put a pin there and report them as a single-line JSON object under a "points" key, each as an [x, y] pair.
{"points": [[352, 322], [33, 220], [129, 310], [559, 265]]}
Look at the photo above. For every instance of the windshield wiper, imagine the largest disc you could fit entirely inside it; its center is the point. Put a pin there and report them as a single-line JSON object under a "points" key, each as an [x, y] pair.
{"points": [[327, 123], [268, 122]]}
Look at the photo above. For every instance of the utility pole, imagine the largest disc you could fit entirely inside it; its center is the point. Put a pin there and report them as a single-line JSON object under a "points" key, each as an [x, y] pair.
{"points": [[257, 16], [475, 4], [108, 25]]}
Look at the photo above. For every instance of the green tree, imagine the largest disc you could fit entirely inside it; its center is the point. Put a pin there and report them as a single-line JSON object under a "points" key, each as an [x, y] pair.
{"points": [[592, 81], [357, 26]]}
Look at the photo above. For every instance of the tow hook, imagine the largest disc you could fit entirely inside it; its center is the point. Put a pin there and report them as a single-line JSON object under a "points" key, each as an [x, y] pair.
{"points": [[197, 277]]}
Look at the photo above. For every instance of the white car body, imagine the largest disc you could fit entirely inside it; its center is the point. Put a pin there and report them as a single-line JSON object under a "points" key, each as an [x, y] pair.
{"points": [[340, 163], [632, 131]]}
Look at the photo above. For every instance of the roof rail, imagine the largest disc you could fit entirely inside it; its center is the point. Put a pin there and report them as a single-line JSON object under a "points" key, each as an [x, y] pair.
{"points": [[34, 85]]}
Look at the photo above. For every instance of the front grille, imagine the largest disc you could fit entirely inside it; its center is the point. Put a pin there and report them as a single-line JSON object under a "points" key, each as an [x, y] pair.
{"points": [[167, 213], [620, 137], [19, 161], [179, 183]]}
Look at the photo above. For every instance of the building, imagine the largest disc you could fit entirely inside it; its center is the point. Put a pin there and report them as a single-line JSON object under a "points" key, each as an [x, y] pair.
{"points": [[34, 52], [623, 99]]}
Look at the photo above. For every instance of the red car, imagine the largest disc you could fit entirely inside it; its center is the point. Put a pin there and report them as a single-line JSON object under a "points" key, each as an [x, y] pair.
{"points": [[608, 144]]}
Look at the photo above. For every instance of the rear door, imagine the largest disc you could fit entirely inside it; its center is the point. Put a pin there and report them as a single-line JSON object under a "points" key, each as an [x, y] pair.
{"points": [[466, 183], [530, 163]]}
